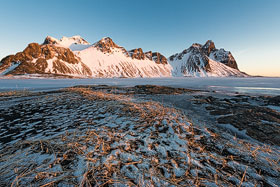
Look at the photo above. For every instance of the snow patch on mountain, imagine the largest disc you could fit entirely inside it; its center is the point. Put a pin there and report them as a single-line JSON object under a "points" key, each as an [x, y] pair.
{"points": [[118, 64], [75, 43], [11, 68], [68, 69]]}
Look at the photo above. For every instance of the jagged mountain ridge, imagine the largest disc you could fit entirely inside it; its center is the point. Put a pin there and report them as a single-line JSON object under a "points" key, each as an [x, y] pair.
{"points": [[77, 57], [204, 60], [120, 62]]}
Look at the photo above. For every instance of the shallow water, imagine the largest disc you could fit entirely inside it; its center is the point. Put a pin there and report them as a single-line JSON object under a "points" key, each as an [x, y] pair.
{"points": [[252, 85]]}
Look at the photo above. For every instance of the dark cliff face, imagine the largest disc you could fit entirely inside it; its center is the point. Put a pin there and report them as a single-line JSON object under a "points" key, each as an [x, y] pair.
{"points": [[50, 40], [154, 56], [224, 57], [219, 55], [197, 59], [33, 59], [137, 54], [149, 55], [208, 47], [159, 58]]}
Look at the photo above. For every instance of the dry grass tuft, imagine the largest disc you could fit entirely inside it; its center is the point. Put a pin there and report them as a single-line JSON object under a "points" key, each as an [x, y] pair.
{"points": [[14, 93]]}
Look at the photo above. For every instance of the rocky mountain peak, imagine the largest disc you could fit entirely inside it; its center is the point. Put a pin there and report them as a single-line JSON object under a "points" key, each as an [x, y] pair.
{"points": [[196, 45], [209, 44], [106, 44], [50, 40], [203, 60], [159, 58], [208, 47], [137, 54], [106, 39], [149, 55], [154, 56], [33, 59]]}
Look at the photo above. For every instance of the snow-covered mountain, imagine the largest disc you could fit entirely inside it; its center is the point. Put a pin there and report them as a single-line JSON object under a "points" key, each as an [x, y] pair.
{"points": [[75, 56], [204, 60], [107, 59], [42, 59]]}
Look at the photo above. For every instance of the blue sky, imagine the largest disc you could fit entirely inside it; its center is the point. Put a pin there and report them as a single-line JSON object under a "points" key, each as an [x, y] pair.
{"points": [[250, 29]]}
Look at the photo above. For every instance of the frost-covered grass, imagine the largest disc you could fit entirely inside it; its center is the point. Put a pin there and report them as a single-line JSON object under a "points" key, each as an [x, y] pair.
{"points": [[122, 141]]}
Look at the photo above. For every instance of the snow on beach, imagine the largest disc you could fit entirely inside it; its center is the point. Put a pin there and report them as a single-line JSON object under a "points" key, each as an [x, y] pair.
{"points": [[102, 135]]}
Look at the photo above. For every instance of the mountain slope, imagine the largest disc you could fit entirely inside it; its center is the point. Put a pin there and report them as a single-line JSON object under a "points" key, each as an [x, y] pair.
{"points": [[204, 60], [75, 56], [106, 59], [42, 59]]}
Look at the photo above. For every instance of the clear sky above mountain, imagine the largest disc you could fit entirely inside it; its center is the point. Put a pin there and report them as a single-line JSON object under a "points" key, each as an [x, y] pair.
{"points": [[248, 28]]}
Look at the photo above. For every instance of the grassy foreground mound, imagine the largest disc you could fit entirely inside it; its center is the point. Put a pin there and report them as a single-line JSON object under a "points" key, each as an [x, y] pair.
{"points": [[118, 140]]}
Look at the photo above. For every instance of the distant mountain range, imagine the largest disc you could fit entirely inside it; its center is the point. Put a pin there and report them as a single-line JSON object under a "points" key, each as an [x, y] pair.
{"points": [[74, 56]]}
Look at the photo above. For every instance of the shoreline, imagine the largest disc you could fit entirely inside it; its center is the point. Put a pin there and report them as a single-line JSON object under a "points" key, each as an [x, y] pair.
{"points": [[254, 86]]}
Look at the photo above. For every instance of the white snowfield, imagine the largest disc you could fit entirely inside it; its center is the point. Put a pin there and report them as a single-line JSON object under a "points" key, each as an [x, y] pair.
{"points": [[117, 64]]}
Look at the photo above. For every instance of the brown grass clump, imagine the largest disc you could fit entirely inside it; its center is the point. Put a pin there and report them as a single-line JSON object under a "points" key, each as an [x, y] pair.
{"points": [[14, 93]]}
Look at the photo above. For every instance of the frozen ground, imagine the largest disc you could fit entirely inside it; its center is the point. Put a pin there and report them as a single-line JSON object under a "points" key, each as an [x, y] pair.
{"points": [[252, 85], [138, 136]]}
